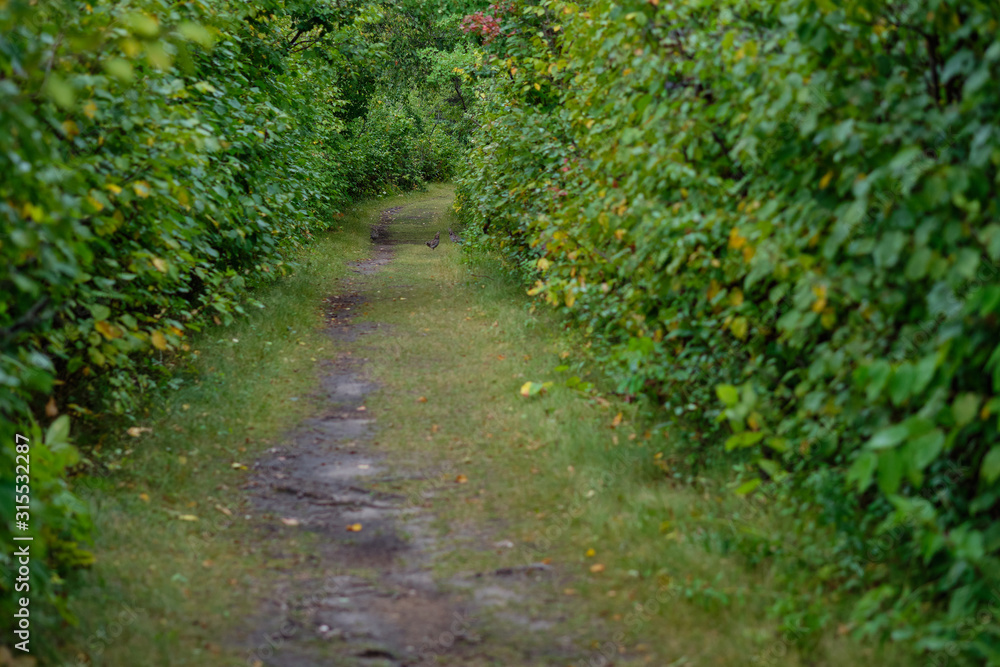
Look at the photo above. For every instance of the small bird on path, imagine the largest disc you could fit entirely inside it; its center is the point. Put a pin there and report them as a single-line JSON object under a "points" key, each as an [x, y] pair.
{"points": [[455, 238], [434, 243]]}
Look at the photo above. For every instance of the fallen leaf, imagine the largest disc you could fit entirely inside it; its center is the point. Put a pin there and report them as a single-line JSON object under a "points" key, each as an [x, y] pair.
{"points": [[239, 466], [354, 528], [144, 497], [461, 479], [187, 517], [224, 510], [616, 421], [290, 522], [51, 409], [206, 563], [422, 399], [597, 567], [362, 409], [363, 466], [136, 431]]}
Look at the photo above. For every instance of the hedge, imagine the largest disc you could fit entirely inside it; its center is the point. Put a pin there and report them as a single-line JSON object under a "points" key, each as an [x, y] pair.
{"points": [[778, 222]]}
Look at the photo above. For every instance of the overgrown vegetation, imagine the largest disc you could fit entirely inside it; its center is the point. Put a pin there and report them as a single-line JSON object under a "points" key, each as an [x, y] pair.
{"points": [[777, 224], [160, 161]]}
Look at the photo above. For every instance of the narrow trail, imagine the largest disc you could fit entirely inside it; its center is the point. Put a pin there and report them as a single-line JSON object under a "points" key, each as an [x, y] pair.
{"points": [[365, 593]]}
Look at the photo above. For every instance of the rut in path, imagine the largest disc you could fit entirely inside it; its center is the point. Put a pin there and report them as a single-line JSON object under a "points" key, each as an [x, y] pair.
{"points": [[364, 595]]}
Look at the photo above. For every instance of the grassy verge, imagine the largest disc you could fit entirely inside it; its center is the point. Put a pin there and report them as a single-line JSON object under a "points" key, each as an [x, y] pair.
{"points": [[175, 551], [564, 477]]}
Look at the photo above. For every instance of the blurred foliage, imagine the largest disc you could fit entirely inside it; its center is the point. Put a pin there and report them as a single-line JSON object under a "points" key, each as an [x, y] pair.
{"points": [[159, 160], [778, 222]]}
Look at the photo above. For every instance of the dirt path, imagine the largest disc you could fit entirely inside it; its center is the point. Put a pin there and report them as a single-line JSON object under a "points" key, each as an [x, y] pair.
{"points": [[366, 593]]}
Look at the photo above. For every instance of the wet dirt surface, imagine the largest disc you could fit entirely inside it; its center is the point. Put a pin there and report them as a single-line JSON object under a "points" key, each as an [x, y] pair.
{"points": [[361, 592]]}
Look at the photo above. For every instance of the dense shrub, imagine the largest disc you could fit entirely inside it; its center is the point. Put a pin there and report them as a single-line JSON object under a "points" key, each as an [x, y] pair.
{"points": [[157, 160], [778, 220]]}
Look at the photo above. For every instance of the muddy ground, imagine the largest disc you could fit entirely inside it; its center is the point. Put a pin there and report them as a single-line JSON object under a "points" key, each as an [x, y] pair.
{"points": [[365, 593]]}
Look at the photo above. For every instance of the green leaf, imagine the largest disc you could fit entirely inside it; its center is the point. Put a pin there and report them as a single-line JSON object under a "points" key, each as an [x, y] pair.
{"points": [[901, 383], [890, 471], [747, 487], [728, 394], [744, 439], [100, 312], [923, 372], [923, 450], [58, 432], [965, 407], [862, 471], [889, 437], [990, 467]]}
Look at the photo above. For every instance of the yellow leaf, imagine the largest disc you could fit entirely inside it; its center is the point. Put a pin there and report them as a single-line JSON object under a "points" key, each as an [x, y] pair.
{"points": [[570, 299], [182, 460], [739, 327], [736, 297], [161, 265], [461, 479], [543, 263], [735, 240], [590, 552], [159, 340], [713, 289], [619, 234], [684, 193], [526, 389], [141, 188], [825, 181], [90, 109], [98, 206], [616, 421], [748, 253], [70, 128], [108, 330], [144, 497], [820, 303], [187, 517], [354, 528], [112, 188], [238, 466], [597, 568], [537, 87]]}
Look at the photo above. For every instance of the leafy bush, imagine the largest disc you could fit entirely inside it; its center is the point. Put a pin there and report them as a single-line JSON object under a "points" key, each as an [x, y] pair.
{"points": [[158, 160], [778, 221]]}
